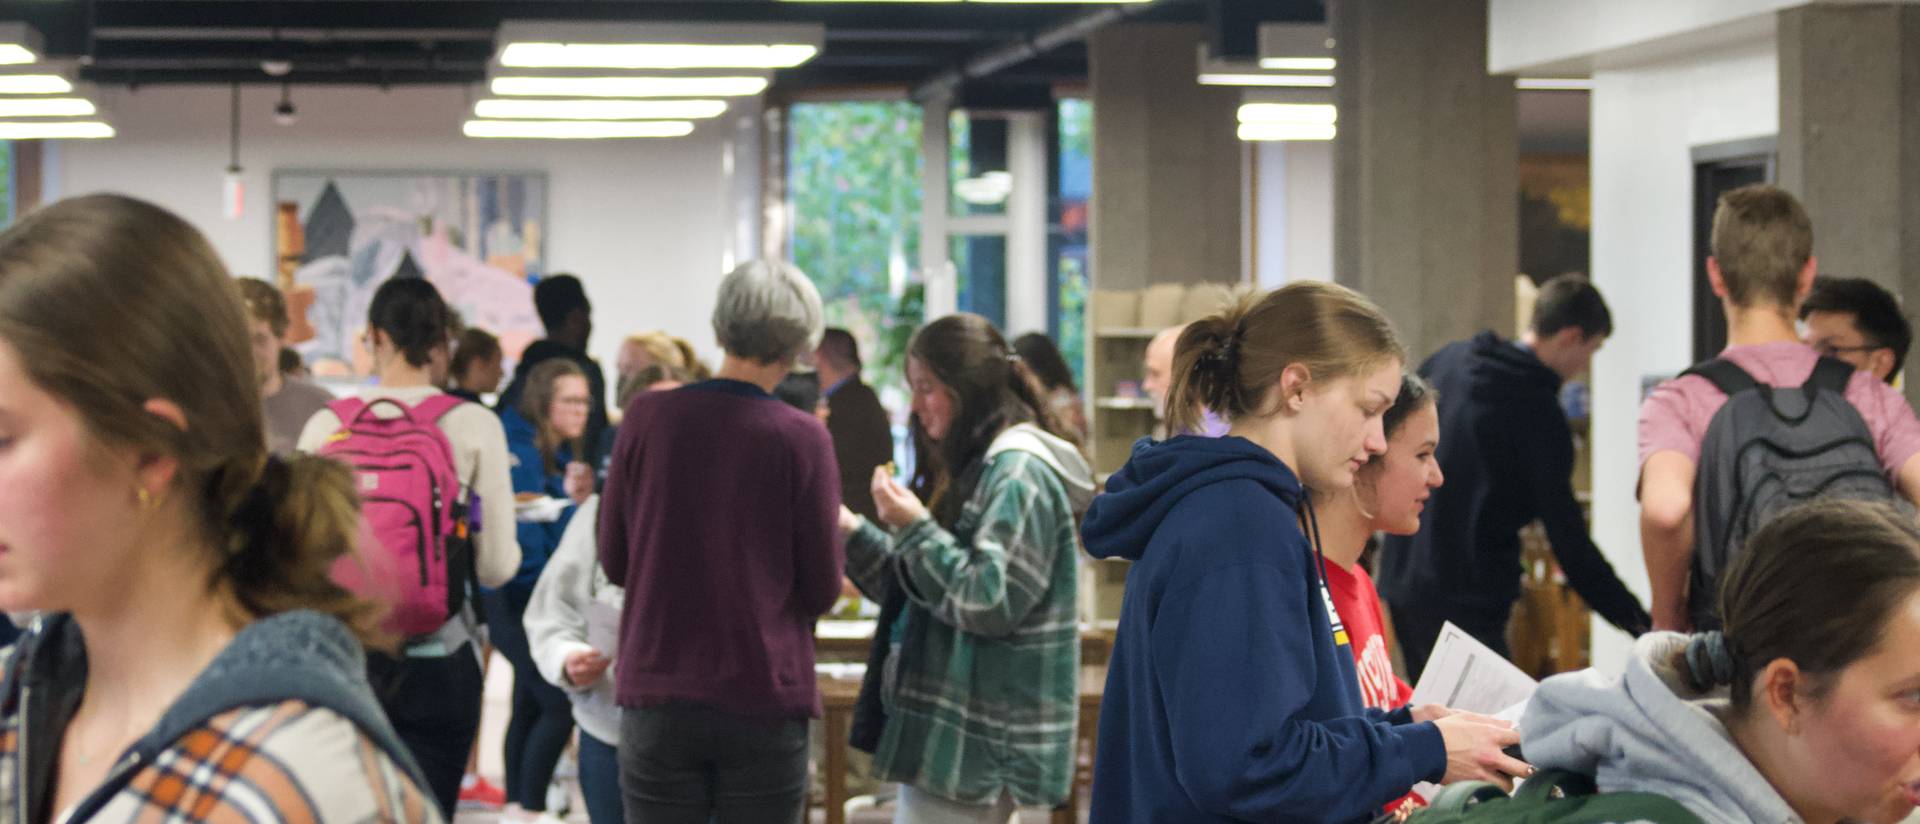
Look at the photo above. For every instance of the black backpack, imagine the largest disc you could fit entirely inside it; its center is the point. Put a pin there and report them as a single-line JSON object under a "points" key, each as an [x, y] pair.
{"points": [[1549, 797], [1766, 450]]}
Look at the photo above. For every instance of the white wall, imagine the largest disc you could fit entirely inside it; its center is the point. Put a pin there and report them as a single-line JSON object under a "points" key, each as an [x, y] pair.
{"points": [[1646, 119], [646, 224], [1293, 212], [1535, 34]]}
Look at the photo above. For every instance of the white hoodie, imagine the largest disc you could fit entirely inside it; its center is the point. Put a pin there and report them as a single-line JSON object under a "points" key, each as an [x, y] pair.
{"points": [[556, 621], [1649, 731]]}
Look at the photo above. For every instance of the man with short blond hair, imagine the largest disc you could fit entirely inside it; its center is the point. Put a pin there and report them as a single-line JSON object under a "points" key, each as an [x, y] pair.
{"points": [[1762, 266]]}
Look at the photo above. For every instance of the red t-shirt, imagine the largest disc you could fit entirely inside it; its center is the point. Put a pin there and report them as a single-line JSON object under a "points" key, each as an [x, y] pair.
{"points": [[1359, 606]]}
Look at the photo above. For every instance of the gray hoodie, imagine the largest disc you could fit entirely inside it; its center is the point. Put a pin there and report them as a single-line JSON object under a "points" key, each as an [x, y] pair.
{"points": [[1065, 460], [1648, 731]]}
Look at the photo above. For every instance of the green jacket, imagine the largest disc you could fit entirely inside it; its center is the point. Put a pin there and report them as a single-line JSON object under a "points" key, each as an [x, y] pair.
{"points": [[983, 689]]}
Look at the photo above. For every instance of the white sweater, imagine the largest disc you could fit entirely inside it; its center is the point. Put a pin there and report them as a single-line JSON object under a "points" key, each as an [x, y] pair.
{"points": [[479, 456], [556, 621]]}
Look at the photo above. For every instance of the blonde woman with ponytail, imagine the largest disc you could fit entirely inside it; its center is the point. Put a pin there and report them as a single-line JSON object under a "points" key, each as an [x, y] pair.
{"points": [[973, 683], [1232, 694], [193, 660]]}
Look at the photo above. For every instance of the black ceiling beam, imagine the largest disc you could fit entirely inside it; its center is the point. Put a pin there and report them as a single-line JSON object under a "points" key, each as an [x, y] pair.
{"points": [[1233, 26], [398, 13], [1028, 46], [299, 77]]}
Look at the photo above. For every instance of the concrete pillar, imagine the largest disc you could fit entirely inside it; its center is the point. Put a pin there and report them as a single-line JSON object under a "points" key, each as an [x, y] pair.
{"points": [[1426, 164], [1850, 138], [1167, 164]]}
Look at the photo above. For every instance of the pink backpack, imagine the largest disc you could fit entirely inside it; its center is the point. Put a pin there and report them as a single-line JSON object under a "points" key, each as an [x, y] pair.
{"points": [[421, 555]]}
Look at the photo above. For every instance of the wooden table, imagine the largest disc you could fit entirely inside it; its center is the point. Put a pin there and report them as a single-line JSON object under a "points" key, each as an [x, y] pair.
{"points": [[839, 695]]}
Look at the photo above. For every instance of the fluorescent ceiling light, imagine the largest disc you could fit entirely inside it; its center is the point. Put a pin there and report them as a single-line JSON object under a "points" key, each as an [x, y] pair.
{"points": [[1294, 80], [46, 107], [578, 129], [870, 1], [629, 86], [1553, 84], [1297, 64], [656, 55], [72, 129], [1310, 114], [1060, 2], [601, 109], [1286, 131], [34, 84], [14, 54]]}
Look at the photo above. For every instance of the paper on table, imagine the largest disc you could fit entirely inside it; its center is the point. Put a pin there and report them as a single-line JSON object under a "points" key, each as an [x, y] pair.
{"points": [[1464, 674], [603, 628]]}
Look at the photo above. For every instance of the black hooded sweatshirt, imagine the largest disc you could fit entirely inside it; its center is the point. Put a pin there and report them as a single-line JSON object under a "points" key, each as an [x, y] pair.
{"points": [[1507, 454]]}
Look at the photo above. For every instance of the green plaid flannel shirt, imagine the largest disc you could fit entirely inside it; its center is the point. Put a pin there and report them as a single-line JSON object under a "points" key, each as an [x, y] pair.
{"points": [[984, 685]]}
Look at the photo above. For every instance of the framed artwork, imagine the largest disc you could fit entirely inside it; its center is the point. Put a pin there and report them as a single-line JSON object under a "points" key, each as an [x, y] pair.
{"points": [[479, 237]]}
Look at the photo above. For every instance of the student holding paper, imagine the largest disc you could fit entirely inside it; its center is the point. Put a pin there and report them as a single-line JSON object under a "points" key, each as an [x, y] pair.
{"points": [[1231, 694], [566, 617]]}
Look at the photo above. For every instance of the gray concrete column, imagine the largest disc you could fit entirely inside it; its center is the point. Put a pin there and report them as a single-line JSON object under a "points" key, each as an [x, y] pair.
{"points": [[1426, 165], [1850, 138], [1166, 162]]}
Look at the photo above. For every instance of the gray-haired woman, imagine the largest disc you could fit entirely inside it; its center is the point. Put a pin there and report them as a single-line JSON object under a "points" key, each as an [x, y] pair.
{"points": [[719, 519]]}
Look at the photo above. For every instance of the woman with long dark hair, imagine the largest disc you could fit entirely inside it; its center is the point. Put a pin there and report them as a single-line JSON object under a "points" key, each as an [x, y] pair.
{"points": [[1050, 367], [976, 665]]}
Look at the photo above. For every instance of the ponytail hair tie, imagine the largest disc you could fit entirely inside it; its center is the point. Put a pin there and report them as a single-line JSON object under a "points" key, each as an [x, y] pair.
{"points": [[254, 517], [1709, 661]]}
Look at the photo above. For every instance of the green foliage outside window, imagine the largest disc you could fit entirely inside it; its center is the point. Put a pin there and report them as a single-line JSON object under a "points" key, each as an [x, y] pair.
{"points": [[853, 181]]}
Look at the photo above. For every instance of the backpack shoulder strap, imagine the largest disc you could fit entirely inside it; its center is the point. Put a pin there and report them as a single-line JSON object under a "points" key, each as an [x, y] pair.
{"points": [[1831, 374], [1724, 374], [436, 407], [346, 409]]}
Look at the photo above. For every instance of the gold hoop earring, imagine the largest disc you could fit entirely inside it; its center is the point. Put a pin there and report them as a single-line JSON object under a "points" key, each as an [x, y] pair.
{"points": [[146, 498]]}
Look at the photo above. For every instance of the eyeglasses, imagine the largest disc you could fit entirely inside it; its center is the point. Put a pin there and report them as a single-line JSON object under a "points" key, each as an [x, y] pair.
{"points": [[1832, 351]]}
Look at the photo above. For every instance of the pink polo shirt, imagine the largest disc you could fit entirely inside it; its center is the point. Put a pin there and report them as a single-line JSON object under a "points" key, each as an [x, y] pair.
{"points": [[1676, 415]]}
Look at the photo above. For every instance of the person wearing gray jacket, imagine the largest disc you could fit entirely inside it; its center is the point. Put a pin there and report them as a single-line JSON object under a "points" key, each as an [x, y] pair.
{"points": [[571, 589], [1806, 708]]}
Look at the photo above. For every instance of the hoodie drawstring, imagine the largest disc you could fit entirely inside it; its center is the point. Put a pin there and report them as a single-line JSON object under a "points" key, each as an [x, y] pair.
{"points": [[1313, 537]]}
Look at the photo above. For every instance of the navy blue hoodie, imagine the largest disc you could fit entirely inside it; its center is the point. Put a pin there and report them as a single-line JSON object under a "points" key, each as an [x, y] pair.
{"points": [[1231, 694]]}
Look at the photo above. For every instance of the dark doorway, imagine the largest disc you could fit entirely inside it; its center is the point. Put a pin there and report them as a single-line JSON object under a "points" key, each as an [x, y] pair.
{"points": [[1718, 169]]}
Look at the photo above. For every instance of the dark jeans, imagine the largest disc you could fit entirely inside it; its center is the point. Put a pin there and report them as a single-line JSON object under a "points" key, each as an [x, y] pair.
{"points": [[1416, 625], [542, 716], [434, 705], [692, 764], [600, 779]]}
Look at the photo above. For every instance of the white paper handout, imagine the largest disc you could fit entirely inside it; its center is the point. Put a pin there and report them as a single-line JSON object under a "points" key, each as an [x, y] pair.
{"points": [[1464, 674]]}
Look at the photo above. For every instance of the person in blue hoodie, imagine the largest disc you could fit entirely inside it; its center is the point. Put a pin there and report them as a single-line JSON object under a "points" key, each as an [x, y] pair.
{"points": [[543, 434], [1231, 694]]}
